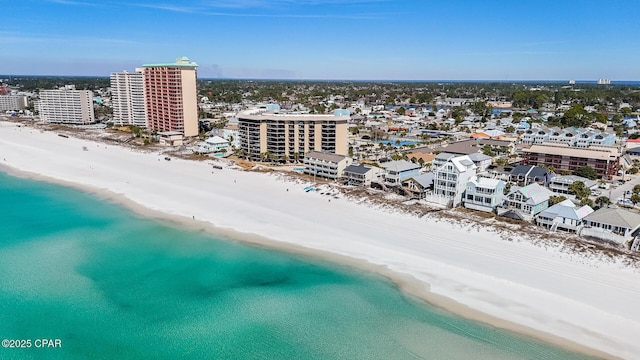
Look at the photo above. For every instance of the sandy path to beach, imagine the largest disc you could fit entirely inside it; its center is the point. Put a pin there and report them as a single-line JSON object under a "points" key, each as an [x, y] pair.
{"points": [[565, 298]]}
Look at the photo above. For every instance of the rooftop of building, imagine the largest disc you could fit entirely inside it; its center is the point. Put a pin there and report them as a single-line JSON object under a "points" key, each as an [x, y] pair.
{"points": [[425, 180], [357, 169], [593, 152], [567, 209], [400, 165], [326, 156], [534, 193], [529, 170], [486, 183], [615, 216], [261, 114], [570, 179], [180, 62]]}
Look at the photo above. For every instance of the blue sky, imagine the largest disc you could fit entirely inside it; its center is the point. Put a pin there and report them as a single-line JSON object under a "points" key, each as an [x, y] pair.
{"points": [[328, 39]]}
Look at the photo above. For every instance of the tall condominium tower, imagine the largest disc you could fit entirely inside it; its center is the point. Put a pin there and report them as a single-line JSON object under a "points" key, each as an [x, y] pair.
{"points": [[288, 136], [66, 106], [127, 97], [171, 97]]}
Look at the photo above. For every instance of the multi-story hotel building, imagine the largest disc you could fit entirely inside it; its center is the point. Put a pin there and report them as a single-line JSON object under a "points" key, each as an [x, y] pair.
{"points": [[287, 136], [171, 97], [127, 97], [66, 106], [605, 160], [12, 102]]}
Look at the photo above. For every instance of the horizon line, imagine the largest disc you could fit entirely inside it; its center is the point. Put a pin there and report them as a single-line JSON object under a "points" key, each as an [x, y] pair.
{"points": [[356, 80]]}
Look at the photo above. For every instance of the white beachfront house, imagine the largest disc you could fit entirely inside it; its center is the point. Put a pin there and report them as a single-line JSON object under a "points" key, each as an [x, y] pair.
{"points": [[613, 224], [525, 202], [395, 172], [213, 144], [325, 164], [563, 215], [484, 194], [450, 180], [361, 175], [217, 143], [561, 183]]}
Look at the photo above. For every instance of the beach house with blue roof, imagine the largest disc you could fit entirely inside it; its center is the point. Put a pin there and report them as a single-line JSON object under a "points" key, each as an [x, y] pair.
{"points": [[523, 125], [563, 215]]}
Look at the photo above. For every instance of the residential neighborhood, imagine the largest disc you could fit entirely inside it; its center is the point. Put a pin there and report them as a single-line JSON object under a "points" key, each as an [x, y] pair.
{"points": [[556, 162]]}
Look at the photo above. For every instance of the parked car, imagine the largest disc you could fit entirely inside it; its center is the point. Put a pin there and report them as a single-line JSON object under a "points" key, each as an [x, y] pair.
{"points": [[624, 202]]}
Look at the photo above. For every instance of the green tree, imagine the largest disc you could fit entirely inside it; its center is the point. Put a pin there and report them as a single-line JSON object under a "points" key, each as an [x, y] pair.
{"points": [[576, 116], [488, 150], [579, 189], [586, 201], [635, 198], [556, 199], [401, 110], [587, 172], [602, 201], [501, 162]]}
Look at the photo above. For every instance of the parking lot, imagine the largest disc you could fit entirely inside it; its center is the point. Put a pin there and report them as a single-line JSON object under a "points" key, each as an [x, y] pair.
{"points": [[618, 191]]}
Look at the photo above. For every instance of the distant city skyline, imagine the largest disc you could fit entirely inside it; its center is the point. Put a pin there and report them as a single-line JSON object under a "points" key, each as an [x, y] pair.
{"points": [[327, 39]]}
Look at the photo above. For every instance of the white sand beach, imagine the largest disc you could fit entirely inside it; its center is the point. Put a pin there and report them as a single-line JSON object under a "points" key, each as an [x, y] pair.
{"points": [[571, 298]]}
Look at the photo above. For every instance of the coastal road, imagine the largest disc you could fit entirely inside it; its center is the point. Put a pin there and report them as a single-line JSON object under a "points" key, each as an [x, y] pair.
{"points": [[616, 192]]}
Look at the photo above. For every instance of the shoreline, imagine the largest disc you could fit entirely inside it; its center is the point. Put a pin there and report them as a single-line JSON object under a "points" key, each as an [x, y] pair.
{"points": [[405, 281]]}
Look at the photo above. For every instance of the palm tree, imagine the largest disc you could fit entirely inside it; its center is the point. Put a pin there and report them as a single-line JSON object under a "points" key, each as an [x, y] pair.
{"points": [[602, 201], [587, 201]]}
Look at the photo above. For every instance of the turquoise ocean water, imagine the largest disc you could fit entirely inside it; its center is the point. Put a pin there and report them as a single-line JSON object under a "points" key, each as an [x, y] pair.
{"points": [[112, 285]]}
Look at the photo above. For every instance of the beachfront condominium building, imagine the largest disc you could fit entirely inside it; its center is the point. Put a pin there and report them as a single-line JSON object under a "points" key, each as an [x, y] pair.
{"points": [[171, 97], [66, 106], [604, 160], [12, 102], [326, 165], [268, 134], [127, 98]]}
